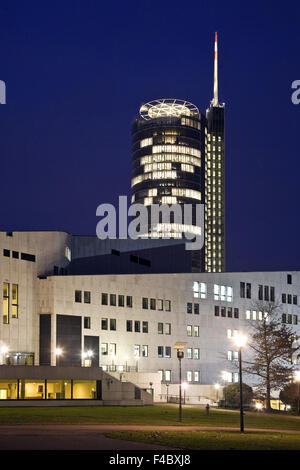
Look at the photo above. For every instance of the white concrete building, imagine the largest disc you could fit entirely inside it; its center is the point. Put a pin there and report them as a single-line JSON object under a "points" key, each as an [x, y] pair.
{"points": [[128, 324]]}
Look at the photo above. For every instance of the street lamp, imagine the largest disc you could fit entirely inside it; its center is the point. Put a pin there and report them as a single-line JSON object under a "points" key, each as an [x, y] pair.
{"points": [[297, 379], [179, 347], [240, 341]]}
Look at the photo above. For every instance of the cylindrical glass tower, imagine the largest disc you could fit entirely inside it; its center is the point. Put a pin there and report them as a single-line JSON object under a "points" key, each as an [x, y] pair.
{"points": [[168, 150]]}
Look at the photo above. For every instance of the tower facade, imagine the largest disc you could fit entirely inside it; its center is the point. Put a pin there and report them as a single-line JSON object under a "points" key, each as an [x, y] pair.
{"points": [[215, 180], [168, 150]]}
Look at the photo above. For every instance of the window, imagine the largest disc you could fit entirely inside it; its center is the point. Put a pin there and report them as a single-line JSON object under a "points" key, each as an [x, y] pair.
{"points": [[129, 301], [104, 349], [189, 376], [167, 328], [242, 290], [266, 290], [295, 320], [196, 309], [168, 305], [167, 375], [272, 294], [128, 325], [168, 351], [229, 333], [289, 299], [196, 376], [160, 328], [189, 307], [112, 349], [145, 326], [260, 292], [283, 298], [6, 253], [229, 355], [229, 312], [160, 304], [223, 293], [104, 324], [87, 322], [145, 303], [87, 297], [15, 254], [295, 300], [217, 311], [189, 330], [121, 301], [5, 303], [113, 300], [200, 290], [152, 304], [189, 353], [160, 351], [14, 301], [161, 374], [236, 377], [283, 318], [113, 324], [145, 350], [235, 355], [78, 296], [248, 315], [137, 350], [223, 311], [248, 290], [289, 278], [196, 353], [236, 313], [196, 331], [290, 319], [137, 326], [104, 299]]}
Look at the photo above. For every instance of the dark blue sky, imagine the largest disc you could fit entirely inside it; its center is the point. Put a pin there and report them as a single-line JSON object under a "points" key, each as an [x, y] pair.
{"points": [[77, 72]]}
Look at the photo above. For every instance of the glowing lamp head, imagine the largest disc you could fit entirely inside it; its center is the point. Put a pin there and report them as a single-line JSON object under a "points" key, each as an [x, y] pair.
{"points": [[240, 341], [297, 376], [259, 406], [4, 349], [58, 351], [184, 385], [217, 386]]}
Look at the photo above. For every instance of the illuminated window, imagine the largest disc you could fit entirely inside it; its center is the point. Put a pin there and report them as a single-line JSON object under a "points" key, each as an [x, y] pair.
{"points": [[5, 303], [189, 376], [146, 142], [189, 330], [15, 301], [188, 168]]}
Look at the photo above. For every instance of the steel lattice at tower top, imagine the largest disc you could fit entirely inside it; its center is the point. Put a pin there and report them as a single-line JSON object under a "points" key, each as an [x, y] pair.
{"points": [[178, 157]]}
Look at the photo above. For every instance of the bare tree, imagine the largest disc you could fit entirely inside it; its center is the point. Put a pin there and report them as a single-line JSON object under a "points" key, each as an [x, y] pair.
{"points": [[271, 347]]}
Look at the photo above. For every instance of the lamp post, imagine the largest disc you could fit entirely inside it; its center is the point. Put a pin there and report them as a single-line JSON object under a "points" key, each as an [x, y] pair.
{"points": [[167, 385], [224, 377], [179, 346], [240, 342], [184, 386], [297, 379]]}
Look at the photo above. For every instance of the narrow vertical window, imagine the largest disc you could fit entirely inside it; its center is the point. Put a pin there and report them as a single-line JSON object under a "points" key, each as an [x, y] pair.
{"points": [[5, 302], [15, 301]]}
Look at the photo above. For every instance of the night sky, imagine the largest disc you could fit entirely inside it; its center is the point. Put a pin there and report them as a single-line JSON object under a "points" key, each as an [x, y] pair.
{"points": [[76, 73]]}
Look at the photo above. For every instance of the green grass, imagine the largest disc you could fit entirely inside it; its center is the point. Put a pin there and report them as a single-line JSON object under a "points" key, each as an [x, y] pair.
{"points": [[152, 415], [213, 440]]}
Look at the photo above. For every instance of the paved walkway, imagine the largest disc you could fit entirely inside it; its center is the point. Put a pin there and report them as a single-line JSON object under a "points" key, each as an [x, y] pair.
{"points": [[91, 436]]}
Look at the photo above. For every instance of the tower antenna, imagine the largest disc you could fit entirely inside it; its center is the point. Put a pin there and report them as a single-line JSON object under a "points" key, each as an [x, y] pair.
{"points": [[216, 99]]}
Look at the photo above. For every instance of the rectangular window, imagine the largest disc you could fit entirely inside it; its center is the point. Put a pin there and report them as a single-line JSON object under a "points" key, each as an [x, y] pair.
{"points": [[196, 376], [260, 292], [160, 304], [289, 279], [129, 301], [137, 326], [112, 324], [189, 330], [112, 349], [272, 294], [28, 257], [137, 350], [229, 355], [104, 299], [290, 319], [128, 325], [145, 327], [6, 253], [189, 376], [248, 315], [168, 351], [223, 311], [113, 300], [5, 303], [145, 303], [196, 331], [121, 301], [104, 349], [15, 254], [189, 307], [248, 290], [229, 312], [87, 297], [15, 301], [283, 298], [236, 313], [87, 322], [266, 289], [160, 328], [289, 299], [167, 328], [196, 309], [295, 300], [199, 289], [295, 319], [236, 377], [217, 311], [167, 375], [196, 353], [152, 304], [168, 305], [78, 296], [104, 324], [160, 351], [161, 374], [242, 290], [189, 353], [235, 355], [229, 333], [145, 350]]}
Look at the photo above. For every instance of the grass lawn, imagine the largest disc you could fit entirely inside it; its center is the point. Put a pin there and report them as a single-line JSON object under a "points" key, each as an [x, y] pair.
{"points": [[152, 415], [214, 440]]}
